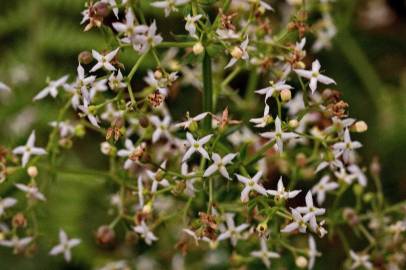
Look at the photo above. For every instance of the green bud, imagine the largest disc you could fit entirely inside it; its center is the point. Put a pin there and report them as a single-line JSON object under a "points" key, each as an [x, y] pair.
{"points": [[80, 131]]}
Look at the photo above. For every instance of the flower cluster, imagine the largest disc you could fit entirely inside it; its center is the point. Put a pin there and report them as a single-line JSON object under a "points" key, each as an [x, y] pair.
{"points": [[253, 180]]}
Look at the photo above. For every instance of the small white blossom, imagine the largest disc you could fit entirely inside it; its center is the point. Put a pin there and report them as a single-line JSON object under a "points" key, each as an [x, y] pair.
{"points": [[158, 181], [145, 233], [169, 5], [251, 184], [196, 146], [110, 114], [6, 203], [347, 147], [272, 88], [360, 260], [312, 252], [190, 189], [80, 87], [64, 246], [52, 88], [32, 192], [314, 76], [278, 135], [264, 120], [310, 210], [239, 53], [322, 187], [129, 151], [219, 164], [281, 193], [190, 120], [103, 61], [232, 232], [66, 129], [299, 223], [17, 243], [116, 81], [264, 254], [86, 112], [161, 127], [28, 149], [145, 38], [358, 174], [190, 25]]}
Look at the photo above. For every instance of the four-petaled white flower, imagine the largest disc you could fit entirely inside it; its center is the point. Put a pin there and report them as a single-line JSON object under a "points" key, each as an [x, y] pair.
{"points": [[103, 61], [80, 88], [264, 254], [157, 178], [219, 164], [66, 129], [6, 203], [347, 147], [145, 233], [196, 146], [299, 223], [232, 232], [281, 193], [322, 187], [169, 5], [312, 252], [145, 37], [190, 189], [28, 149], [88, 113], [272, 88], [251, 184], [52, 88], [32, 191], [17, 243], [264, 120], [314, 76], [360, 260], [238, 53], [310, 210], [356, 171], [161, 127], [278, 135], [190, 25], [64, 246], [190, 120], [116, 81]]}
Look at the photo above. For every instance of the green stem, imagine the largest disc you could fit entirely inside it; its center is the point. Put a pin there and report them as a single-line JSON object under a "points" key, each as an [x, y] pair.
{"points": [[131, 75], [207, 89]]}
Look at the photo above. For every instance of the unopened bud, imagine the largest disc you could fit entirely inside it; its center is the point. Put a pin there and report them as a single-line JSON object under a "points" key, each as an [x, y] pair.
{"points": [[80, 130], [105, 148], [236, 52], [286, 95], [300, 65], [293, 123], [158, 74], [301, 262], [198, 48], [144, 122], [358, 189], [359, 126], [301, 160], [19, 220], [32, 171], [350, 216], [85, 57], [101, 9], [105, 235], [262, 228]]}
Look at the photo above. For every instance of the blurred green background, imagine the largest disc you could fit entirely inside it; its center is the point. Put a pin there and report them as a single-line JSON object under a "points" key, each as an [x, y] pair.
{"points": [[41, 38]]}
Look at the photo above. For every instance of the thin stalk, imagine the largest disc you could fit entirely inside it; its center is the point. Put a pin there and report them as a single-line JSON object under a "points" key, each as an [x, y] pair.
{"points": [[207, 89]]}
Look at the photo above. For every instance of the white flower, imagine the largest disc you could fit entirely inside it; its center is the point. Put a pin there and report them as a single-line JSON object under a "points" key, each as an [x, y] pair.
{"points": [[4, 87], [332, 164], [66, 129], [103, 61], [314, 76], [322, 187], [347, 147], [312, 252], [251, 184], [145, 38], [110, 114], [129, 151], [28, 149], [264, 254], [281, 193], [227, 34], [86, 112], [219, 164], [196, 146], [80, 87], [64, 246], [295, 105], [128, 27], [169, 5], [98, 86], [32, 192], [274, 87], [360, 260], [6, 203], [232, 232], [116, 81], [310, 210], [16, 243], [239, 53], [190, 24], [264, 120], [157, 179], [278, 135], [161, 127], [145, 233], [299, 223], [52, 88], [190, 189], [358, 174], [190, 120]]}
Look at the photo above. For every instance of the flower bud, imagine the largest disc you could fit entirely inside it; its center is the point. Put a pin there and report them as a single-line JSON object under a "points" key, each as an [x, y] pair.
{"points": [[19, 220], [147, 208], [300, 65], [101, 9], [144, 122], [105, 148], [236, 52], [105, 235], [32, 171], [80, 131], [301, 262], [359, 126], [158, 74], [350, 216], [85, 57], [65, 143], [368, 197], [358, 189], [301, 160], [286, 95], [262, 228], [198, 48], [293, 123], [179, 188]]}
